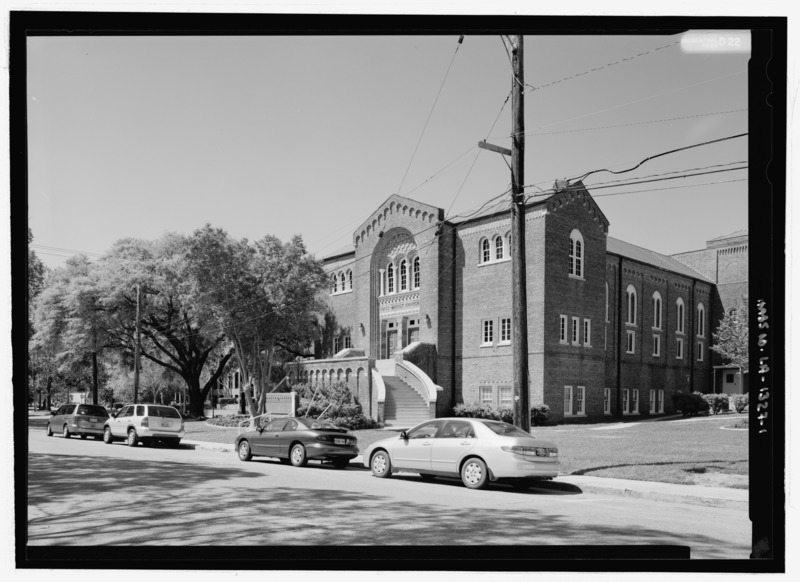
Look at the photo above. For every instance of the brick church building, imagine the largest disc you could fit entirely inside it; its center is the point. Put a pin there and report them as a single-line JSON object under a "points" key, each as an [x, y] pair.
{"points": [[420, 310]]}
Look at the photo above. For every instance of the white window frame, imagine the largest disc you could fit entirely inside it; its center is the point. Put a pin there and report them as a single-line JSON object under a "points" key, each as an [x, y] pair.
{"points": [[680, 315], [574, 332], [678, 348], [500, 390], [607, 401], [657, 311], [335, 289], [337, 344], [563, 331], [625, 401], [607, 320], [403, 276], [347, 342], [700, 351], [661, 401], [635, 401], [350, 278], [630, 341], [484, 390], [652, 401], [415, 272], [390, 276], [568, 401], [656, 345], [343, 281], [485, 251], [630, 305], [580, 401], [701, 320], [505, 331], [499, 248], [487, 331], [587, 332], [577, 255]]}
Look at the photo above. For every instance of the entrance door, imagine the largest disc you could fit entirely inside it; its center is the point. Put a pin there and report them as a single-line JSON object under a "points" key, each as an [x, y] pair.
{"points": [[391, 342], [413, 334]]}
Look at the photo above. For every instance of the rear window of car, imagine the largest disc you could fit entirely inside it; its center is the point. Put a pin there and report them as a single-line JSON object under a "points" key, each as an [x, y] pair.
{"points": [[163, 412], [320, 424], [91, 410], [505, 429]]}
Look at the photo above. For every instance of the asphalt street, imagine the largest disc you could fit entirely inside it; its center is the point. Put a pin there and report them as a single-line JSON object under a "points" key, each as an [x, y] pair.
{"points": [[85, 492]]}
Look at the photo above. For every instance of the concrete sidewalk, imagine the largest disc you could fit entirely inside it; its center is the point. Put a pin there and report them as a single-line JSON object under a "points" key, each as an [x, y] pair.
{"points": [[692, 494]]}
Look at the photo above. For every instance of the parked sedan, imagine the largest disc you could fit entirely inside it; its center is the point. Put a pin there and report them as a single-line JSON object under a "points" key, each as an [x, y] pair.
{"points": [[476, 450], [78, 419], [296, 440], [146, 424]]}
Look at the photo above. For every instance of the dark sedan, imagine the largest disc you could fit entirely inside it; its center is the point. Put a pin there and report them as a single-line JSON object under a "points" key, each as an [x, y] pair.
{"points": [[298, 440]]}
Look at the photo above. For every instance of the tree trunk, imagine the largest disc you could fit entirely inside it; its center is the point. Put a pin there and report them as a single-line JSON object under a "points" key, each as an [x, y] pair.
{"points": [[94, 378], [49, 388]]}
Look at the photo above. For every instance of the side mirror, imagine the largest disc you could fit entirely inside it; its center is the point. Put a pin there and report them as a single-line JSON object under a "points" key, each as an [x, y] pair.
{"points": [[260, 429], [113, 415], [404, 435]]}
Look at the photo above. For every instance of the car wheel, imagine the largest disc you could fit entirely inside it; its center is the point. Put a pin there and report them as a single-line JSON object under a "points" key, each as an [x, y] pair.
{"points": [[133, 438], [381, 465], [107, 437], [245, 454], [474, 474], [147, 443], [427, 477], [341, 463], [298, 455], [48, 431], [65, 433], [84, 436]]}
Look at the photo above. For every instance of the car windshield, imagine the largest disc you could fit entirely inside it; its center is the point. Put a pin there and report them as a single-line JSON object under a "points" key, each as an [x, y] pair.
{"points": [[319, 424], [505, 429], [163, 412], [91, 410]]}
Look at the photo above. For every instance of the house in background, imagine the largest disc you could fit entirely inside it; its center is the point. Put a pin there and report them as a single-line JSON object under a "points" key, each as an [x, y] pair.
{"points": [[422, 313]]}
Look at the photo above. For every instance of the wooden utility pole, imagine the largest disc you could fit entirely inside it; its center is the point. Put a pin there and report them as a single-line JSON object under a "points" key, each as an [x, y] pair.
{"points": [[519, 294], [138, 348]]}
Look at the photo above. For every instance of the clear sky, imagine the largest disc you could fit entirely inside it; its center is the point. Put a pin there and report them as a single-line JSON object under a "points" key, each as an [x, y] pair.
{"points": [[138, 136]]}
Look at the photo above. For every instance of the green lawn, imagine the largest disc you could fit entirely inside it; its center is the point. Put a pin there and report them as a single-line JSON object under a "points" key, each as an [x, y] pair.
{"points": [[686, 451]]}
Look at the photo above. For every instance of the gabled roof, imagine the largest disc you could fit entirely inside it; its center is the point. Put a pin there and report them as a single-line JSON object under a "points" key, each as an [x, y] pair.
{"points": [[735, 234], [653, 258], [348, 249]]}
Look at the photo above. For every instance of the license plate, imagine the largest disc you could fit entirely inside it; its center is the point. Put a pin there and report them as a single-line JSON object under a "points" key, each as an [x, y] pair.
{"points": [[340, 441]]}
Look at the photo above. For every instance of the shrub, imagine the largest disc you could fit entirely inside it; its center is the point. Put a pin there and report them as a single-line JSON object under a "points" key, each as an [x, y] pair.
{"points": [[690, 404], [337, 403], [538, 413], [740, 402], [716, 402]]}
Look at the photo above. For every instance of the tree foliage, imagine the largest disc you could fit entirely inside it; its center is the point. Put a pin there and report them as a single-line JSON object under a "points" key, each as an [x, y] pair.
{"points": [[731, 340]]}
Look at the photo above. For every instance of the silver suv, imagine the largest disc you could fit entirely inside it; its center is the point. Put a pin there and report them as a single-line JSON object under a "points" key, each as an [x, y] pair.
{"points": [[146, 424], [77, 419]]}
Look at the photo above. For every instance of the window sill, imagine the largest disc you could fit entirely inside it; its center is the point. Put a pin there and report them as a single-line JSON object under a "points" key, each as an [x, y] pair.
{"points": [[632, 353], [503, 343], [576, 277], [341, 293], [495, 262], [487, 345]]}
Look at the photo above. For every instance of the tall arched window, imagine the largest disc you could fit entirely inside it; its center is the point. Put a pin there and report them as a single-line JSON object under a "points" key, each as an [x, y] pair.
{"points": [[416, 273], [498, 247], [342, 279], [606, 300], [486, 251], [631, 301], [403, 276], [656, 310], [701, 320], [576, 254], [335, 283], [390, 278], [680, 315], [350, 278]]}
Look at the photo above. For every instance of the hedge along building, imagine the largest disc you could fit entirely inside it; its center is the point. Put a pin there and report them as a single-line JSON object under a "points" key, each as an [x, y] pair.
{"points": [[422, 314]]}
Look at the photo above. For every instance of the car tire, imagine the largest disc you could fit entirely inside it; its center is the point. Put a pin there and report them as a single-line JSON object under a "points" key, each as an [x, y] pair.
{"points": [[65, 432], [297, 455], [474, 473], [427, 476], [133, 438], [146, 442], [48, 431], [381, 465], [108, 438], [243, 449], [341, 463]]}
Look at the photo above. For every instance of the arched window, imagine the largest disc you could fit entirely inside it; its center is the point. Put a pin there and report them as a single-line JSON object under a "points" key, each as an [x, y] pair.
{"points": [[498, 247], [576, 254], [416, 273], [335, 283], [341, 278], [403, 276], [390, 278], [631, 300], [701, 320], [606, 300], [679, 308], [656, 310], [486, 252], [350, 278]]}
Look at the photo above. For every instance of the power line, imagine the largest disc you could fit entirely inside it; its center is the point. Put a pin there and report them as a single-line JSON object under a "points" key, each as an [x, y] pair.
{"points": [[669, 188], [460, 40]]}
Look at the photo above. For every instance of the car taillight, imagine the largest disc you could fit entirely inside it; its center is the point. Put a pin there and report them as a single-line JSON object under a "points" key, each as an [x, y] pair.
{"points": [[531, 451], [145, 421], [324, 438]]}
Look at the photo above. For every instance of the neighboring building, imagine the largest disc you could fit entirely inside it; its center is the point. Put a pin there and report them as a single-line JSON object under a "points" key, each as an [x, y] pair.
{"points": [[422, 314]]}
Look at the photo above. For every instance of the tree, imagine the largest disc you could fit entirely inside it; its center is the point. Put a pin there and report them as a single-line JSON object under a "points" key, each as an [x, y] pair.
{"points": [[175, 334], [732, 336], [264, 296]]}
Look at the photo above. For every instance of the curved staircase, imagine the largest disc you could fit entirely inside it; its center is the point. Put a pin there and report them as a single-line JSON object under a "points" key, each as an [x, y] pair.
{"points": [[403, 407]]}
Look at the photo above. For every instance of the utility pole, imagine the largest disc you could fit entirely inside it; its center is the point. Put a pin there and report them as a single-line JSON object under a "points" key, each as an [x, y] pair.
{"points": [[138, 347], [519, 294]]}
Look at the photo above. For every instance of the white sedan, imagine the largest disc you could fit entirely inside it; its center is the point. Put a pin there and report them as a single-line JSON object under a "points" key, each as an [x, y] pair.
{"points": [[476, 450]]}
